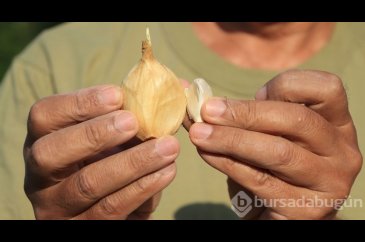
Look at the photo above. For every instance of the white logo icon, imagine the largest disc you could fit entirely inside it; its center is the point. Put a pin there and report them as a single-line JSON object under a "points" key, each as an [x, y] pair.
{"points": [[241, 204]]}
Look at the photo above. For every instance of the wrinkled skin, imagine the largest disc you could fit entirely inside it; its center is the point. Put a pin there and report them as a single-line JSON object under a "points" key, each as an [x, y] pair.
{"points": [[82, 161], [297, 139]]}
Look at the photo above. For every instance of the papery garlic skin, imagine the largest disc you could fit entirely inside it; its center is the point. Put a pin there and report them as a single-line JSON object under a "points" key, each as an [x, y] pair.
{"points": [[198, 92], [155, 95]]}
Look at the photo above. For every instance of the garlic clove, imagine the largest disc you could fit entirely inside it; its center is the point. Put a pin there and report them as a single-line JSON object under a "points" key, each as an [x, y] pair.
{"points": [[198, 92], [155, 95]]}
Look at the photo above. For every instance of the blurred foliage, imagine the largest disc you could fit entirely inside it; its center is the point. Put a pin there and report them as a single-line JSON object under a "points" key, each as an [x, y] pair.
{"points": [[14, 36]]}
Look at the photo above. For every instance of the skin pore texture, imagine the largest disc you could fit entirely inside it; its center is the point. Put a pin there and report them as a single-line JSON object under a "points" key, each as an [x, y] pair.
{"points": [[264, 45]]}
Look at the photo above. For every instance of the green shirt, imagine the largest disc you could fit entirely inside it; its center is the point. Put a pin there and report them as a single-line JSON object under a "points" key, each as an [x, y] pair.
{"points": [[78, 55]]}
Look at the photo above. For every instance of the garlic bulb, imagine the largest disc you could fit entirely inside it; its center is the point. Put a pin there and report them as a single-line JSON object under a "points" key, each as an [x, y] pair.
{"points": [[155, 95], [198, 92]]}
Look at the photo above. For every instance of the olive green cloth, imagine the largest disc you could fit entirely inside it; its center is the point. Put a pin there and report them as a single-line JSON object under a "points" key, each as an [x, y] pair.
{"points": [[78, 55]]}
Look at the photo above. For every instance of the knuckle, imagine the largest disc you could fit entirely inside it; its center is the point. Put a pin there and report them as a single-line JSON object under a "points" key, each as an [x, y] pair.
{"points": [[283, 79], [342, 192], [94, 135], [30, 186], [282, 84], [277, 88], [284, 153], [263, 179], [248, 114], [145, 184], [235, 113], [232, 141], [334, 85], [85, 186], [108, 206], [339, 193], [142, 185], [36, 115], [84, 102], [38, 158], [229, 165], [306, 120], [356, 162], [333, 79], [138, 161]]}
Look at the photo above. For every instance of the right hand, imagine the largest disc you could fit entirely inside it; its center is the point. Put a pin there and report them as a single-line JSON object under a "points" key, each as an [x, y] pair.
{"points": [[81, 164]]}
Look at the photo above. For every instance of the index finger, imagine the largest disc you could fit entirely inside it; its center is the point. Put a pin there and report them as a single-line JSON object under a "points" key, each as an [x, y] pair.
{"points": [[55, 112], [289, 120], [321, 91]]}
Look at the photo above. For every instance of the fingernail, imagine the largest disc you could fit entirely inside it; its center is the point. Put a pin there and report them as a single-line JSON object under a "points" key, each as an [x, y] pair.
{"points": [[166, 146], [110, 96], [215, 107], [201, 130], [261, 94], [125, 122]]}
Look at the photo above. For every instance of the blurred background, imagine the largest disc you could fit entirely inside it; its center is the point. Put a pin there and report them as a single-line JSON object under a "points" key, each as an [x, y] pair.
{"points": [[14, 36]]}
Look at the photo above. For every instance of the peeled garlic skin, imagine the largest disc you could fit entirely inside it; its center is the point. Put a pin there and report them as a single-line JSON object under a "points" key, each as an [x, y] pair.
{"points": [[156, 96], [198, 92]]}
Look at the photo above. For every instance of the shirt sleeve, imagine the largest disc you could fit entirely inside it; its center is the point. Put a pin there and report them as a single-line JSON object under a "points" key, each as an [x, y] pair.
{"points": [[24, 83], [61, 59]]}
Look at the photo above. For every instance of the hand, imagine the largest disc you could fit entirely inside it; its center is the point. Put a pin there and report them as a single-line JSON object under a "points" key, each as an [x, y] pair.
{"points": [[296, 140], [82, 163]]}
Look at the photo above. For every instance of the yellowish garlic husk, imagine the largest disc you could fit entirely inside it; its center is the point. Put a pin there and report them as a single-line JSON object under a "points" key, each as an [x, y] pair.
{"points": [[155, 95]]}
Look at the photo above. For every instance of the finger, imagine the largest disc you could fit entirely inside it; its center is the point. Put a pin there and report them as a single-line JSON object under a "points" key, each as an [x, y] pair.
{"points": [[112, 151], [59, 111], [123, 202], [292, 121], [234, 188], [150, 205], [279, 197], [257, 181], [283, 158], [185, 83], [57, 151], [145, 211], [102, 178], [187, 122], [321, 91]]}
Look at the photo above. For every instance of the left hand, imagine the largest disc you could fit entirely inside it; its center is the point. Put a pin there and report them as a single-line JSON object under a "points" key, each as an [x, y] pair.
{"points": [[297, 140]]}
